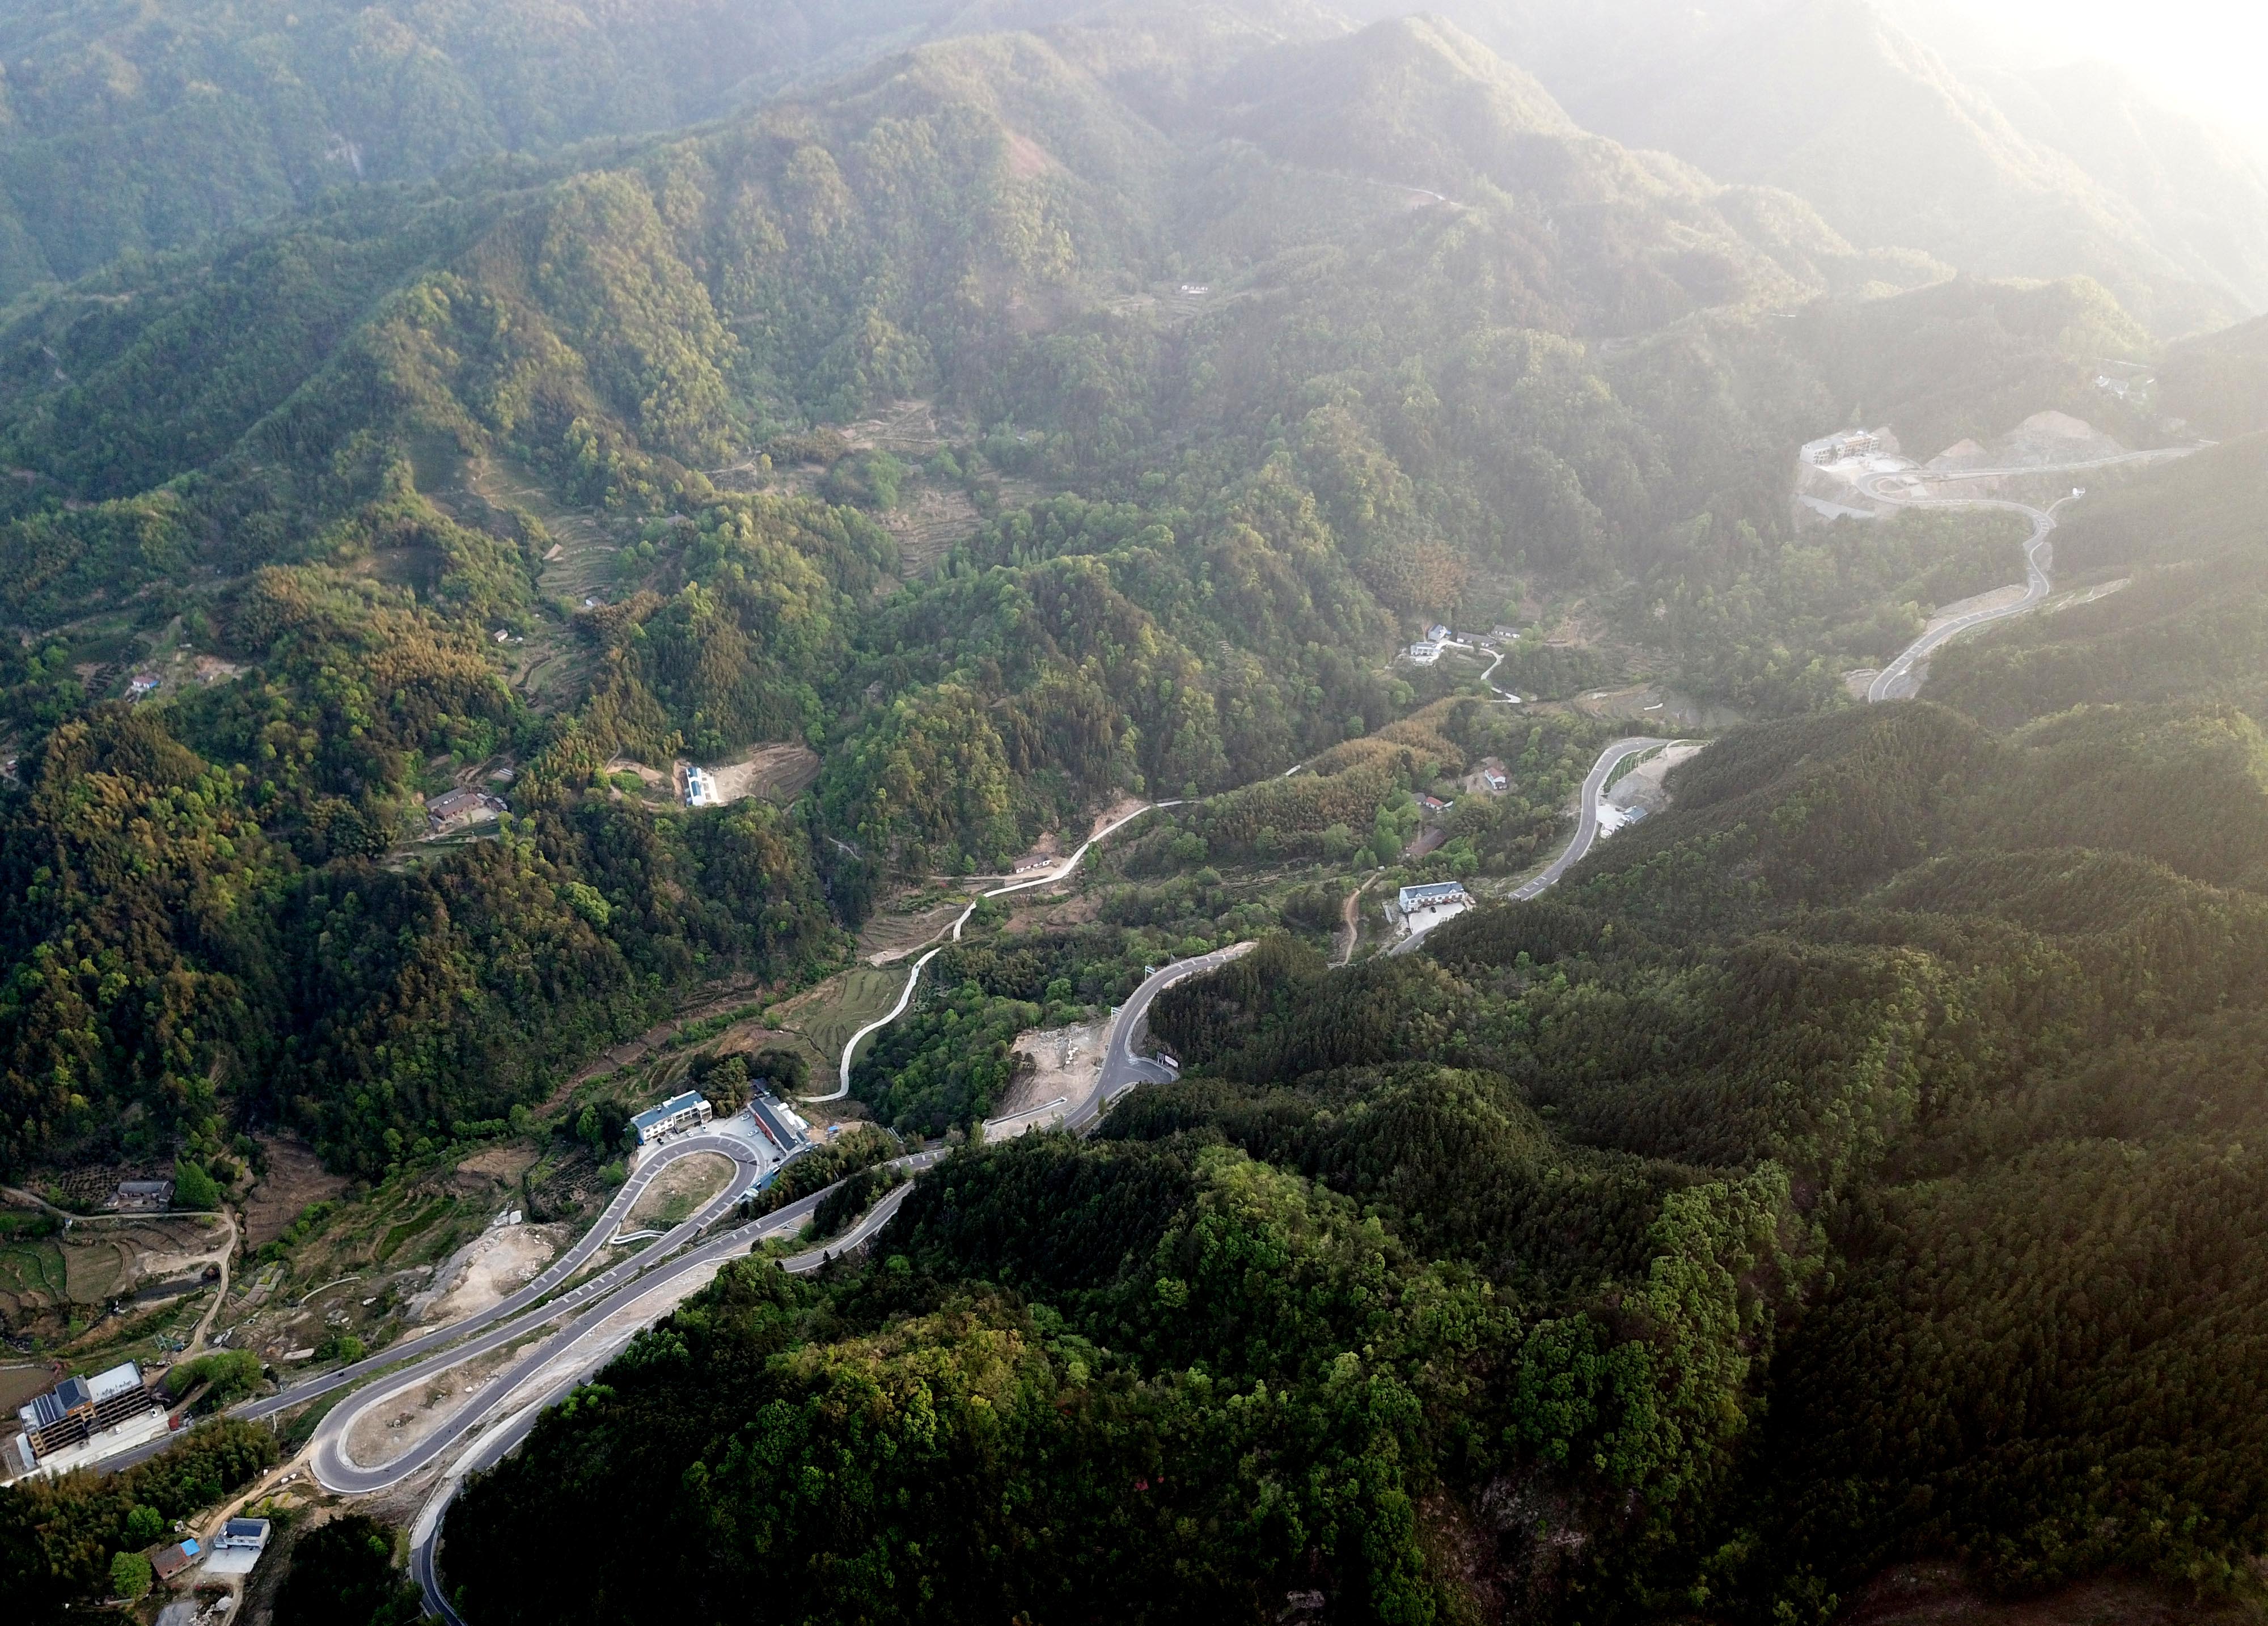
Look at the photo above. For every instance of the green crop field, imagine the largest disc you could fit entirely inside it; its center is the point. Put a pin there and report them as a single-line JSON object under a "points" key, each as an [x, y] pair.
{"points": [[396, 1235], [33, 1267], [839, 1008]]}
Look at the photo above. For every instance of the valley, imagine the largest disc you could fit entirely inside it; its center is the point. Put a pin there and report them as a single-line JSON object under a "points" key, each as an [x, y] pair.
{"points": [[1266, 811]]}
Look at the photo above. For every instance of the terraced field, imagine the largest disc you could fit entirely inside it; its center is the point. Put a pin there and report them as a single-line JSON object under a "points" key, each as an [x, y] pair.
{"points": [[553, 667], [892, 935], [827, 1016], [31, 1279], [96, 1267]]}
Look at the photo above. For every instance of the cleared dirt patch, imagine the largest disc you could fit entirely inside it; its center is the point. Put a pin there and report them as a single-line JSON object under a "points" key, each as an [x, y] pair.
{"points": [[928, 528], [778, 773], [906, 428], [101, 1260], [2086, 595], [1643, 786], [502, 1164], [660, 783], [97, 1266], [295, 1179], [491, 1267], [1064, 1062], [1058, 913], [401, 1421], [679, 1190], [19, 1383], [1655, 708]]}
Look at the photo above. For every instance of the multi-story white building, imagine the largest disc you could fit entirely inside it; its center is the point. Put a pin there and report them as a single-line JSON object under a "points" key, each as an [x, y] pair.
{"points": [[689, 1111]]}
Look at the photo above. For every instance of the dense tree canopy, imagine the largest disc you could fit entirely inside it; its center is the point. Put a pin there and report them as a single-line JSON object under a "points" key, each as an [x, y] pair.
{"points": [[1844, 1165]]}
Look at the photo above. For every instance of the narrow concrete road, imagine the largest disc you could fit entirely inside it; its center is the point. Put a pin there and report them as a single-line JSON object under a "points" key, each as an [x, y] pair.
{"points": [[1046, 878], [227, 1257], [1488, 678]]}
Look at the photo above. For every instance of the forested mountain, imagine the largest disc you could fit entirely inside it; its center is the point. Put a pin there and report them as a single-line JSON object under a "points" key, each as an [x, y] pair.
{"points": [[127, 128], [2220, 382], [2192, 626], [1443, 337], [1854, 1168], [1828, 99], [1876, 114], [131, 128], [1024, 407], [1846, 1165]]}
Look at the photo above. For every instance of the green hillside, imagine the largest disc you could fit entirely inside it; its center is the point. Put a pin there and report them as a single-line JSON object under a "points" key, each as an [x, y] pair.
{"points": [[2190, 540], [963, 420], [1680, 1223], [1387, 407], [2220, 382], [128, 128]]}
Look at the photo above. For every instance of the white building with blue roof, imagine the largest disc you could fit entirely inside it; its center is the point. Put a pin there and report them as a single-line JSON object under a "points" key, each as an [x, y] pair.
{"points": [[689, 1111], [1436, 895]]}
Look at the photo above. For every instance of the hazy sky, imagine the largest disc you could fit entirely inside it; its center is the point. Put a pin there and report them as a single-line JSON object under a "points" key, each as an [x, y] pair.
{"points": [[2211, 54]]}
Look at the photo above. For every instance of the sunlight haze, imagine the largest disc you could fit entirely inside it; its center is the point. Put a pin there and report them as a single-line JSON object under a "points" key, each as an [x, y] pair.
{"points": [[2206, 54]]}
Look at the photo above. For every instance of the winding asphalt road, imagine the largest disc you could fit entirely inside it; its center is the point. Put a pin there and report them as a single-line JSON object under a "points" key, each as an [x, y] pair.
{"points": [[505, 1436], [1122, 1069], [1902, 679], [1046, 878], [745, 1173], [1586, 826], [599, 1300]]}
